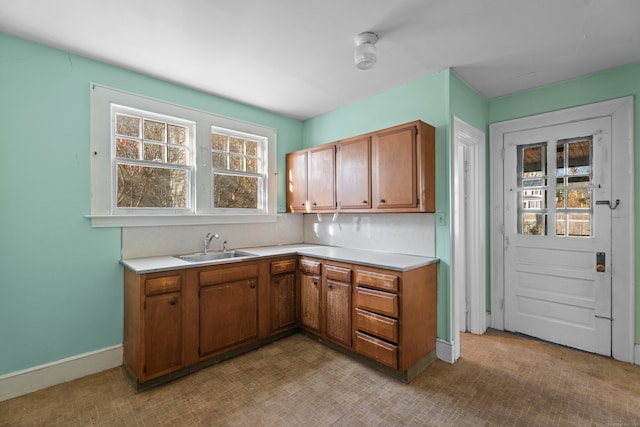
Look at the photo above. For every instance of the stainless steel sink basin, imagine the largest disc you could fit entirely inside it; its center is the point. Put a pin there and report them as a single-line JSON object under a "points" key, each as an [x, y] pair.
{"points": [[213, 256]]}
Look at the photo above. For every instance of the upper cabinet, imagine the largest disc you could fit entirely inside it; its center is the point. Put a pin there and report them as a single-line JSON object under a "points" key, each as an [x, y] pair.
{"points": [[321, 188], [354, 173], [390, 170], [297, 181]]}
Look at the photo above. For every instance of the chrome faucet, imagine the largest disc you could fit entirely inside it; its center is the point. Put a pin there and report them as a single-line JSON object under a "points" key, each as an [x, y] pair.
{"points": [[207, 240]]}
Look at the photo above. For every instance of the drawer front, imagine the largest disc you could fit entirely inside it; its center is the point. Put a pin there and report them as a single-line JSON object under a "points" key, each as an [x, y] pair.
{"points": [[378, 350], [377, 301], [311, 267], [283, 266], [377, 325], [239, 271], [162, 285], [372, 279], [340, 274]]}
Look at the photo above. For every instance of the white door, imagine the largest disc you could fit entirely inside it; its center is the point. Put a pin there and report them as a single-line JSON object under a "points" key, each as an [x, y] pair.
{"points": [[557, 270]]}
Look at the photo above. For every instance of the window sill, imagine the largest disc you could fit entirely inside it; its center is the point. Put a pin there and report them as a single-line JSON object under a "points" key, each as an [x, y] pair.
{"points": [[103, 221]]}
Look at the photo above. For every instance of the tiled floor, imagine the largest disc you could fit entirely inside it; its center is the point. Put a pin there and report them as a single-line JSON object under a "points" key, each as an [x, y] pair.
{"points": [[501, 379]]}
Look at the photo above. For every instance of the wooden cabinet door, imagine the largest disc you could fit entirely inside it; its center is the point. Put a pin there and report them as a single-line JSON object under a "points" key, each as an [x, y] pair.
{"points": [[338, 309], [310, 302], [283, 307], [297, 181], [394, 166], [162, 334], [322, 171], [228, 315], [353, 185]]}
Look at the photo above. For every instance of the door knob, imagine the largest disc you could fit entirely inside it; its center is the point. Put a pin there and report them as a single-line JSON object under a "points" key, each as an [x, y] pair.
{"points": [[600, 262]]}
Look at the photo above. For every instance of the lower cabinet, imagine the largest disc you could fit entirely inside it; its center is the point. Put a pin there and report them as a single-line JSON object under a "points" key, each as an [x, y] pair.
{"points": [[177, 321], [153, 324], [311, 295]]}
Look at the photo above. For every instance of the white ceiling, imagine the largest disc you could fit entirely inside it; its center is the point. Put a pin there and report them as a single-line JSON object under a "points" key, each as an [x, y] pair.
{"points": [[295, 57]]}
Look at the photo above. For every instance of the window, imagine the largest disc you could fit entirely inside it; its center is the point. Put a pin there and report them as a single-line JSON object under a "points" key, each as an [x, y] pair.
{"points": [[572, 186], [238, 172], [156, 163], [152, 161]]}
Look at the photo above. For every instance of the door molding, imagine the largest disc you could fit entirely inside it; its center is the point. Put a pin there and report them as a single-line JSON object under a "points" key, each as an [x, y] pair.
{"points": [[468, 230], [622, 267]]}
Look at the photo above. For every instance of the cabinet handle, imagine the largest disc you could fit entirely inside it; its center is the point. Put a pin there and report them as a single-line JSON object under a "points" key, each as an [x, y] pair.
{"points": [[383, 201], [174, 301], [315, 282], [330, 286], [364, 202], [315, 204], [252, 286]]}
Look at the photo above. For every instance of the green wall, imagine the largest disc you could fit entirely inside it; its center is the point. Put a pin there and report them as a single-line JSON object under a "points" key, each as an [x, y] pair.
{"points": [[61, 291], [425, 99], [610, 84]]}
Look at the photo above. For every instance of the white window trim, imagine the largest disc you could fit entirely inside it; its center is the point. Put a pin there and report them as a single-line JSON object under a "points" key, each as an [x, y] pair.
{"points": [[101, 210]]}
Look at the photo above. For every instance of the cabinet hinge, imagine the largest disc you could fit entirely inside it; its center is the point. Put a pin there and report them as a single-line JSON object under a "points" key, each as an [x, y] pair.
{"points": [[145, 305], [144, 369], [418, 202]]}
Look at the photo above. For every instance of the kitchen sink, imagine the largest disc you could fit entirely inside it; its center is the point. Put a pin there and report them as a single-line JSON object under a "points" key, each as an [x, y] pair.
{"points": [[213, 256]]}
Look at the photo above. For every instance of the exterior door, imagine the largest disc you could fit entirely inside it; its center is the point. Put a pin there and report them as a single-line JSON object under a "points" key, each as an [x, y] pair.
{"points": [[557, 189]]}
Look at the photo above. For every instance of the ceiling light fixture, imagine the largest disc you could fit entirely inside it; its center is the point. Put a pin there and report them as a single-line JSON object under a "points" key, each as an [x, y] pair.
{"points": [[365, 53]]}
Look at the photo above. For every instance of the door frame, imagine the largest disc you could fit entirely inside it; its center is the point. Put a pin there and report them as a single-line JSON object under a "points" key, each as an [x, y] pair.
{"points": [[468, 231], [622, 249]]}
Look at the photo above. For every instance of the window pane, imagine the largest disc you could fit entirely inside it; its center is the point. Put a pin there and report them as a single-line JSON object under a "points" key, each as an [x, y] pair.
{"points": [[154, 152], [533, 161], [154, 130], [128, 125], [560, 160], [253, 165], [253, 148], [578, 180], [230, 191], [560, 224], [219, 160], [127, 148], [579, 198], [579, 225], [579, 157], [236, 145], [177, 134], [149, 187], [177, 155], [218, 142], [560, 199], [533, 224], [236, 163]]}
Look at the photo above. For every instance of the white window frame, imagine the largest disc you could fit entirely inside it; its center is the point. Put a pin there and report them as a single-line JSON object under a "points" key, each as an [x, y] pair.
{"points": [[103, 213]]}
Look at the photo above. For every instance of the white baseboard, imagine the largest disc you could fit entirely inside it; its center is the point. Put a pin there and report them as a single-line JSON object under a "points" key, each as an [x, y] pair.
{"points": [[18, 383], [636, 357], [444, 351]]}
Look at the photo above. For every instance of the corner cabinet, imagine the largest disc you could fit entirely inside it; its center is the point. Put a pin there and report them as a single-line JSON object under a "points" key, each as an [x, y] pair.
{"points": [[390, 170]]}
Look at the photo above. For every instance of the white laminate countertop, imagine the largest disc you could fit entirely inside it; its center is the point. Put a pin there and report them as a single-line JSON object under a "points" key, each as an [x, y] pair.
{"points": [[391, 261]]}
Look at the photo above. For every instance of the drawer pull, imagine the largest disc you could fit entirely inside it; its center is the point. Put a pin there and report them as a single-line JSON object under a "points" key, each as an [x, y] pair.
{"points": [[174, 301]]}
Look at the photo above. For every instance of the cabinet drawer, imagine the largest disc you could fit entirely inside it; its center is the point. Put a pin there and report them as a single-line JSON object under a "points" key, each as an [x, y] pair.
{"points": [[377, 301], [308, 266], [239, 271], [283, 266], [377, 325], [372, 279], [340, 274], [376, 349], [162, 285]]}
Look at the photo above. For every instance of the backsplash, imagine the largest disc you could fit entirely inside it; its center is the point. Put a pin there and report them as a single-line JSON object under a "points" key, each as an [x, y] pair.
{"points": [[140, 242], [410, 233]]}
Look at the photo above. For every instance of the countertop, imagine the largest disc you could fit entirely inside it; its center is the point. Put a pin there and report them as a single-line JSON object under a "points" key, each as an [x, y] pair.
{"points": [[391, 261]]}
